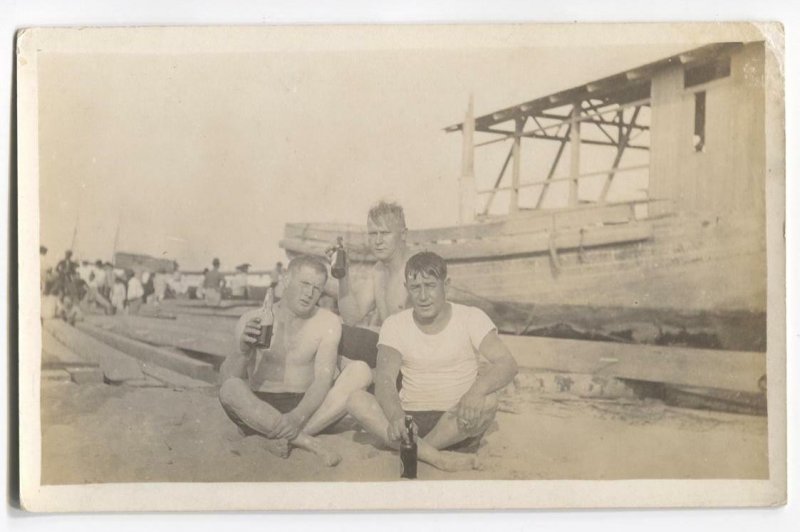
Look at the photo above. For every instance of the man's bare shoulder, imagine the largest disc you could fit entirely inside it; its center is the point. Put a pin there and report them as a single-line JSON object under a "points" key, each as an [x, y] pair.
{"points": [[327, 320]]}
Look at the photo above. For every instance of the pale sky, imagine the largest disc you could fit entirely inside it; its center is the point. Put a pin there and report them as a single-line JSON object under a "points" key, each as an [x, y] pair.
{"points": [[198, 156]]}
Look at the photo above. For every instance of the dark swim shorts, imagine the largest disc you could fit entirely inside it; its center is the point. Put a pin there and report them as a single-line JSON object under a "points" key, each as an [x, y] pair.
{"points": [[427, 419], [282, 402], [361, 344], [358, 343]]}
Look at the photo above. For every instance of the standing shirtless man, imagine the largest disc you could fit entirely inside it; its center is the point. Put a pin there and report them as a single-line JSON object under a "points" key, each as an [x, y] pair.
{"points": [[277, 392], [386, 293]]}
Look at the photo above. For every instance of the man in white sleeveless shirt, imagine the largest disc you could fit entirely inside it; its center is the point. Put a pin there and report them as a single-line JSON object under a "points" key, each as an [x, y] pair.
{"points": [[436, 345]]}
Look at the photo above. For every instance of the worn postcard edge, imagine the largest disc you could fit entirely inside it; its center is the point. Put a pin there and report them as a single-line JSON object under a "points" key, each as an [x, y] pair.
{"points": [[385, 495]]}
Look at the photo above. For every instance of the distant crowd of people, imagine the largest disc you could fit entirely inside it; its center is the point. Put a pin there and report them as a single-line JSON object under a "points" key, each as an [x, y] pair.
{"points": [[216, 286], [72, 285]]}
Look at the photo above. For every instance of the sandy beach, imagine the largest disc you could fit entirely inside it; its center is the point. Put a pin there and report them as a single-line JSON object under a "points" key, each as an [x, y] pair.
{"points": [[98, 433]]}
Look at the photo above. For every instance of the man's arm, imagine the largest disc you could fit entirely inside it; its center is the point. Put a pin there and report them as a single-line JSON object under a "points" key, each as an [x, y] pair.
{"points": [[354, 305], [502, 369], [290, 423], [388, 367], [245, 334]]}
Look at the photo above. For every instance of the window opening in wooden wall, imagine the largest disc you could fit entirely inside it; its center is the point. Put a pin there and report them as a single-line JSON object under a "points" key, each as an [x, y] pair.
{"points": [[699, 138], [707, 71]]}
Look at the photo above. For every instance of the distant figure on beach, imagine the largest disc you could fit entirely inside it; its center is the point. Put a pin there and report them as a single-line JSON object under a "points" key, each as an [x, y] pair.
{"points": [[67, 276], [276, 280], [436, 345], [134, 293], [286, 393], [93, 295], [42, 268], [119, 293], [213, 281], [239, 282], [67, 310], [111, 278]]}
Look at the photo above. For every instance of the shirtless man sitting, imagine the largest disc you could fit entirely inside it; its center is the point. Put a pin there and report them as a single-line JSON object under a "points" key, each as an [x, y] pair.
{"points": [[436, 344], [384, 294], [283, 393]]}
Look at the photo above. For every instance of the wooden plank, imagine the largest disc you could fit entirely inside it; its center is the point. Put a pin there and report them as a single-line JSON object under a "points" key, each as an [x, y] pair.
{"points": [[706, 368], [166, 358], [174, 379], [524, 223], [512, 245], [116, 366], [169, 333], [353, 235], [56, 354]]}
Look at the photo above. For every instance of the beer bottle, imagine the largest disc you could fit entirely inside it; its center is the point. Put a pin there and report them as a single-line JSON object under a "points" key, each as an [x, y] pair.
{"points": [[339, 260], [408, 451], [267, 319]]}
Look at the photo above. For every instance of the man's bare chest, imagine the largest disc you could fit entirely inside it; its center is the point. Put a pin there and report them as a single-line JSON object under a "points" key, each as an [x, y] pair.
{"points": [[390, 294]]}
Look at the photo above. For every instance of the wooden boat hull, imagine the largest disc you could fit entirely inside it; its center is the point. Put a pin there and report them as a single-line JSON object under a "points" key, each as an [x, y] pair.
{"points": [[687, 280]]}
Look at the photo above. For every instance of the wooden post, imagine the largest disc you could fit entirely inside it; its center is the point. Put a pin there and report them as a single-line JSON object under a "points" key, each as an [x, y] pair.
{"points": [[514, 201], [623, 143], [497, 182], [575, 162], [546, 185], [466, 207]]}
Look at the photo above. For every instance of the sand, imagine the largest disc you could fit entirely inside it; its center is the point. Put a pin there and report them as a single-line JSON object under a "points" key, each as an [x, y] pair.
{"points": [[95, 433]]}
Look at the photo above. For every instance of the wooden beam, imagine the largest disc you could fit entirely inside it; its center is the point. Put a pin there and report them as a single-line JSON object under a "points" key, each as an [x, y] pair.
{"points": [[584, 141], [498, 180], [614, 166], [553, 167], [708, 368], [150, 354], [575, 156], [519, 244], [599, 125], [170, 333], [515, 169], [116, 366]]}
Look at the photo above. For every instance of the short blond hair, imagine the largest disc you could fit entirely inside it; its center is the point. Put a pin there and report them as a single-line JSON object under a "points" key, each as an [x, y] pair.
{"points": [[388, 211]]}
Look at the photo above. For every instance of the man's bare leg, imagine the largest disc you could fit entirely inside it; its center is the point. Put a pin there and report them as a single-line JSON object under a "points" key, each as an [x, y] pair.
{"points": [[355, 375], [448, 431], [365, 408], [236, 395]]}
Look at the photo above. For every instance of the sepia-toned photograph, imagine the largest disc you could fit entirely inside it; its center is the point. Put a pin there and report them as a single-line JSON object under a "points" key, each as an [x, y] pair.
{"points": [[332, 264]]}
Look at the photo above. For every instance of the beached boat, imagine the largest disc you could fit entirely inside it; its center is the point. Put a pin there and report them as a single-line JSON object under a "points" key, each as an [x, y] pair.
{"points": [[682, 262]]}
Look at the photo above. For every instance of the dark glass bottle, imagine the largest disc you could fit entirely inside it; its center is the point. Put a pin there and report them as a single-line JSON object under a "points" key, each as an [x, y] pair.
{"points": [[339, 260], [408, 451], [267, 320]]}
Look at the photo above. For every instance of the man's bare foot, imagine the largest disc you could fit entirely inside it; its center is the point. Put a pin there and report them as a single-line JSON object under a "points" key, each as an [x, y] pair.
{"points": [[279, 448], [329, 458], [452, 461]]}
